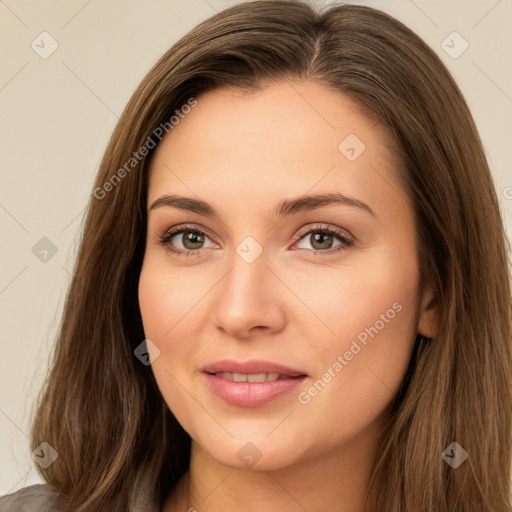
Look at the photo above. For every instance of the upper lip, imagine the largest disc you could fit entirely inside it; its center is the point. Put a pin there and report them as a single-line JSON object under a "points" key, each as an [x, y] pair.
{"points": [[252, 366]]}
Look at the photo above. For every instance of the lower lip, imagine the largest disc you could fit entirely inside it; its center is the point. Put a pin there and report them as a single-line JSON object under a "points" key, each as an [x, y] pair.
{"points": [[251, 394]]}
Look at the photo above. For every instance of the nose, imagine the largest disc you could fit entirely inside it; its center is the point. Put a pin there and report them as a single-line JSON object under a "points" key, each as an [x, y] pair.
{"points": [[248, 300]]}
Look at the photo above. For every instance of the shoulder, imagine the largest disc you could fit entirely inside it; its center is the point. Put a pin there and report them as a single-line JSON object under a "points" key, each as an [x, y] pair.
{"points": [[36, 498]]}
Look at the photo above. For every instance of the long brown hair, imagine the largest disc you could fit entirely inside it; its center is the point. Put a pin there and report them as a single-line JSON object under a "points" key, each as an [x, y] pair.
{"points": [[119, 446]]}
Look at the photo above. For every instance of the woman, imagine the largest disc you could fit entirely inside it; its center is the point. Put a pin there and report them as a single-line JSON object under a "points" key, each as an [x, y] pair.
{"points": [[292, 290]]}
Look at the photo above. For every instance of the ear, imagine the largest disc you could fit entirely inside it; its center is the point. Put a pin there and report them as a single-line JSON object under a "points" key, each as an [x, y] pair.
{"points": [[428, 322]]}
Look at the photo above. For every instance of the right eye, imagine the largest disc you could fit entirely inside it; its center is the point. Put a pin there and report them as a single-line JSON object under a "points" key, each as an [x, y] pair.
{"points": [[190, 238]]}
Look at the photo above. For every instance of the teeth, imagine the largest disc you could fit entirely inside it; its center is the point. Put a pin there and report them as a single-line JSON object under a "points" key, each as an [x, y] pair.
{"points": [[257, 377], [253, 377]]}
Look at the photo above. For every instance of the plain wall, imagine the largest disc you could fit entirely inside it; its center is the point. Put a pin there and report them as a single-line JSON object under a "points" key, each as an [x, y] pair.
{"points": [[57, 114]]}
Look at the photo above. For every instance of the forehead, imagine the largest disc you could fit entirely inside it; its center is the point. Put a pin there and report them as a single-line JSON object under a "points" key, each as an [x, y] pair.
{"points": [[286, 136], [278, 113]]}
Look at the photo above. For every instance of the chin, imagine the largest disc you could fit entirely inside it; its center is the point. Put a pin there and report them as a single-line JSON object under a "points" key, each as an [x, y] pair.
{"points": [[253, 453]]}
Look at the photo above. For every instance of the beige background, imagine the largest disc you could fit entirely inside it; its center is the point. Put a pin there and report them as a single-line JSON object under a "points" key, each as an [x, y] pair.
{"points": [[57, 115]]}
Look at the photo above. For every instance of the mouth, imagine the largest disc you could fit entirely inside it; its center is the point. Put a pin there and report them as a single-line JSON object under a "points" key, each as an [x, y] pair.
{"points": [[251, 383], [252, 377]]}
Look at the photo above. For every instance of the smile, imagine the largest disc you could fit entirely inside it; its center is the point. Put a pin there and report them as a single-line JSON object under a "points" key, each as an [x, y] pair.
{"points": [[252, 377]]}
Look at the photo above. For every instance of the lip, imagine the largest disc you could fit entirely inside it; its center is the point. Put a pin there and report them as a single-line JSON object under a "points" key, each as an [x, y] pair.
{"points": [[252, 366], [251, 394]]}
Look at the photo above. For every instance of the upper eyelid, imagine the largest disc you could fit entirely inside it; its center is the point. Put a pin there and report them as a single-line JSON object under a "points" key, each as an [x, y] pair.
{"points": [[322, 226], [178, 230]]}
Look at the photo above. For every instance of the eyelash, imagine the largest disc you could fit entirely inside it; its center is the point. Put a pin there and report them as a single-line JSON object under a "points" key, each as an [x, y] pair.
{"points": [[347, 241]]}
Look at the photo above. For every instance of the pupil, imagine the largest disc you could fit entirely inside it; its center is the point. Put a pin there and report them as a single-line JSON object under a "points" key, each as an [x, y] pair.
{"points": [[319, 237], [193, 238]]}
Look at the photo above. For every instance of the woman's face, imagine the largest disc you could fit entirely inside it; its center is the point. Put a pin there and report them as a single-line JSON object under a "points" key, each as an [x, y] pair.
{"points": [[264, 283]]}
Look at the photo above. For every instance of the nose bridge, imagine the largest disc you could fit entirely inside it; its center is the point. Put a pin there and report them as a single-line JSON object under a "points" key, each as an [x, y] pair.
{"points": [[248, 296], [249, 278]]}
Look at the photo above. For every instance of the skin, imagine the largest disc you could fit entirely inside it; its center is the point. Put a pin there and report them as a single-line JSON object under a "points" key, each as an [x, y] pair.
{"points": [[243, 153]]}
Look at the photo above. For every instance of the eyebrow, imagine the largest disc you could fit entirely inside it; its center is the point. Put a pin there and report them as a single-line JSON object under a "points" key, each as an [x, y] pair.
{"points": [[284, 208]]}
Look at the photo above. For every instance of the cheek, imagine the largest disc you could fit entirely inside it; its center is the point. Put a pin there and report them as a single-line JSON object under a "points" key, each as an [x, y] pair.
{"points": [[372, 294], [168, 299], [369, 312], [158, 304], [169, 318], [166, 303]]}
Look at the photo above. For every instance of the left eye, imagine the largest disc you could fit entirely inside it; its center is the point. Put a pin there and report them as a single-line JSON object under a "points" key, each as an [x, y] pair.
{"points": [[192, 240], [324, 239]]}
